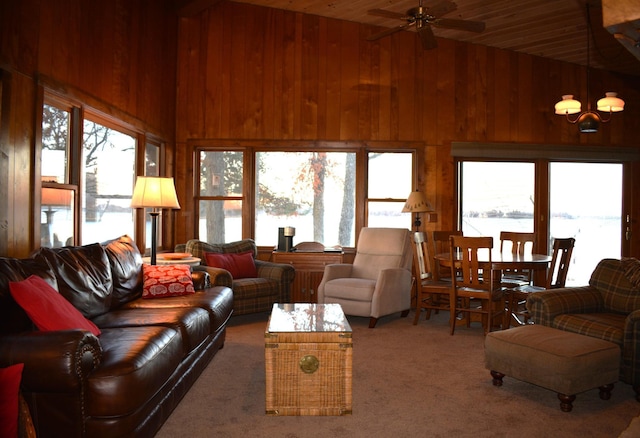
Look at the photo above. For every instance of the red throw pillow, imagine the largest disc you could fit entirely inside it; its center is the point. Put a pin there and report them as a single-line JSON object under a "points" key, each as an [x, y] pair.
{"points": [[10, 378], [48, 310], [240, 265], [166, 281]]}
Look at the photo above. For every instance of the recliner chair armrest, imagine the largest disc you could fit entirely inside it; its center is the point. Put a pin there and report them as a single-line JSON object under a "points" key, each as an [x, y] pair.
{"points": [[386, 295], [544, 306], [54, 361], [331, 272]]}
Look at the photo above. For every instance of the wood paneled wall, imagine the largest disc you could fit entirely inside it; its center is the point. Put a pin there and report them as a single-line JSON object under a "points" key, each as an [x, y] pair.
{"points": [[117, 56], [247, 72]]}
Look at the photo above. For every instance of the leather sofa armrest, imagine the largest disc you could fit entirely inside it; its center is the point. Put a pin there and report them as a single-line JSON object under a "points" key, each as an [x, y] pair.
{"points": [[217, 276], [546, 305], [201, 279], [55, 361]]}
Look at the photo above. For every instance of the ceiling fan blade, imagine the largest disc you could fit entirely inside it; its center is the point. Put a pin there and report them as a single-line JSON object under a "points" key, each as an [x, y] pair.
{"points": [[387, 32], [442, 8], [427, 37], [386, 14], [454, 23]]}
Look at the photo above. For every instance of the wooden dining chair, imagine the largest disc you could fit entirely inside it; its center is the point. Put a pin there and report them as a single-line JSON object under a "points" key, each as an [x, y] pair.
{"points": [[474, 279], [432, 293], [519, 243], [440, 245], [556, 278]]}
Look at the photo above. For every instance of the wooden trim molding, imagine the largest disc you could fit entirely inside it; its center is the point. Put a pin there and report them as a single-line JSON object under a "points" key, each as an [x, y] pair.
{"points": [[529, 151]]}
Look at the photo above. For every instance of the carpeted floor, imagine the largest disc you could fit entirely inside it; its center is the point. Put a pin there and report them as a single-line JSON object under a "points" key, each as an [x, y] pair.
{"points": [[408, 381]]}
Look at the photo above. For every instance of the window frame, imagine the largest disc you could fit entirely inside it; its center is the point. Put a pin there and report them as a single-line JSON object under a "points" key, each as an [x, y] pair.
{"points": [[79, 112], [251, 147]]}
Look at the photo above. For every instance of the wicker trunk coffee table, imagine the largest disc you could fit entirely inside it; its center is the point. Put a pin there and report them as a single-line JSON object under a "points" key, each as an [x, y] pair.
{"points": [[308, 358]]}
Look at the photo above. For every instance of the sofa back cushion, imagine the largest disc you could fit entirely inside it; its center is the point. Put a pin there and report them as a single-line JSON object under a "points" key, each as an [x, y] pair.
{"points": [[126, 270], [13, 319], [617, 291], [84, 278], [198, 248]]}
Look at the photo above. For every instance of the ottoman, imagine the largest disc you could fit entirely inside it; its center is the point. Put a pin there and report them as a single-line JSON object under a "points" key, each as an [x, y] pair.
{"points": [[564, 362]]}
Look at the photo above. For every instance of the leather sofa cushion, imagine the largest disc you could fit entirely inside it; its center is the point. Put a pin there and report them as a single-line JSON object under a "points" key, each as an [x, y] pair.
{"points": [[84, 278], [126, 270], [217, 301], [12, 318], [136, 363], [191, 323]]}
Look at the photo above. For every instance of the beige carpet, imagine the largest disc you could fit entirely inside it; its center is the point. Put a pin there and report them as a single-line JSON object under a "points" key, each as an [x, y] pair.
{"points": [[408, 381]]}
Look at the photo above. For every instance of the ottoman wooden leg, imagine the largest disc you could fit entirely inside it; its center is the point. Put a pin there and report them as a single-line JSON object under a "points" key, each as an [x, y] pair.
{"points": [[605, 391], [497, 378], [566, 402]]}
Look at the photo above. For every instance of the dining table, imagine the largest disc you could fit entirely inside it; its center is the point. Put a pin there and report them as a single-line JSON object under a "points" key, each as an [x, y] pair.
{"points": [[505, 260]]}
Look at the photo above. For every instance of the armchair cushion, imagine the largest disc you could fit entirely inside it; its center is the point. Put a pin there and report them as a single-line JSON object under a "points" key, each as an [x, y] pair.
{"points": [[239, 265]]}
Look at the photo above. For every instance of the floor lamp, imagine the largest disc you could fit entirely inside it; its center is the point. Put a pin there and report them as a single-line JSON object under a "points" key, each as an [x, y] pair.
{"points": [[155, 193]]}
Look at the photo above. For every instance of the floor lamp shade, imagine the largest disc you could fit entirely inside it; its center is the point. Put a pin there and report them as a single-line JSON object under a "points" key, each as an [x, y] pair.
{"points": [[156, 193]]}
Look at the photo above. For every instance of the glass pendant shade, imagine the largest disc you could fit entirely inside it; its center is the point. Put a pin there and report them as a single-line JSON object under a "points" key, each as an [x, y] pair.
{"points": [[611, 103], [568, 105]]}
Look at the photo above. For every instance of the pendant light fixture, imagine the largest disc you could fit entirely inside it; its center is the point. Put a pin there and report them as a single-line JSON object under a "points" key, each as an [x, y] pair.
{"points": [[589, 121]]}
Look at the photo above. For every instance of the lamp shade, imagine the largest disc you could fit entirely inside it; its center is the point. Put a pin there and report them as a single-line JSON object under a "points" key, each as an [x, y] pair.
{"points": [[568, 105], [416, 203], [611, 103], [154, 192], [56, 197]]}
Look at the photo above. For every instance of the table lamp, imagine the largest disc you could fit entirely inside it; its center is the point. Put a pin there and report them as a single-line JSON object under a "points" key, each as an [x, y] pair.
{"points": [[155, 193], [417, 203]]}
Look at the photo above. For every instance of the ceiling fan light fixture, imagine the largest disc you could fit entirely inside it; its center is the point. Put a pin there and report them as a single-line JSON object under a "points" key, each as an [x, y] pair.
{"points": [[611, 103], [568, 105]]}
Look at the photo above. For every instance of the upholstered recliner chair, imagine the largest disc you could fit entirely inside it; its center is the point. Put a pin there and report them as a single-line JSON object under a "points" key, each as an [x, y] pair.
{"points": [[378, 283]]}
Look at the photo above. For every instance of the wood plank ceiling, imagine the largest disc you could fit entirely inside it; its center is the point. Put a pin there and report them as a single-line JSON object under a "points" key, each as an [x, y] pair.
{"points": [[555, 29]]}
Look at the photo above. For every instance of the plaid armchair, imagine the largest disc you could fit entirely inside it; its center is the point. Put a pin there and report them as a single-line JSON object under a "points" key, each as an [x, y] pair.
{"points": [[609, 308], [250, 295]]}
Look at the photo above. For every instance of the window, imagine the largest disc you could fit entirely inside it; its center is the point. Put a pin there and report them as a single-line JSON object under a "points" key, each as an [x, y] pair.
{"points": [[589, 209], [313, 192], [496, 196], [579, 193], [88, 168], [57, 197], [390, 181], [108, 177], [312, 189], [220, 194]]}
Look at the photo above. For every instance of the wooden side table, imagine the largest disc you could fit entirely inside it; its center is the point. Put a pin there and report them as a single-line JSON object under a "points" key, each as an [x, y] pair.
{"points": [[309, 268]]}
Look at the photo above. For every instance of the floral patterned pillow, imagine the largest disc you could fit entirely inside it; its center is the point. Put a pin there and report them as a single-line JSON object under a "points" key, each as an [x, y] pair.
{"points": [[166, 281]]}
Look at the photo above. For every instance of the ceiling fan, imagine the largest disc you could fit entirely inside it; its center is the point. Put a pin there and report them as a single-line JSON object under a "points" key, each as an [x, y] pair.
{"points": [[422, 18]]}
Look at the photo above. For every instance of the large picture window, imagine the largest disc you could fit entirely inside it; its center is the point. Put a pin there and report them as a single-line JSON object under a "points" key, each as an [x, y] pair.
{"points": [[314, 191]]}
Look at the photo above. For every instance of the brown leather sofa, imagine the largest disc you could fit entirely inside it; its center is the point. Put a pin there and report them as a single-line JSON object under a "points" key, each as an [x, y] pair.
{"points": [[127, 380]]}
